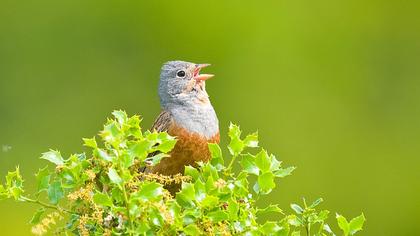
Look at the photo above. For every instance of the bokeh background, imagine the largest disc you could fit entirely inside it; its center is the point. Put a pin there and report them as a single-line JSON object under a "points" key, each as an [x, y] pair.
{"points": [[333, 87]]}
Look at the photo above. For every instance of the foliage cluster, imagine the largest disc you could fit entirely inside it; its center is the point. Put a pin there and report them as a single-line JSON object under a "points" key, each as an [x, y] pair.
{"points": [[104, 193]]}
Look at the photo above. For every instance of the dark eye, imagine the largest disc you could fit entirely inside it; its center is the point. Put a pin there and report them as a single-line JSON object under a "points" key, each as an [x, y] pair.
{"points": [[180, 74]]}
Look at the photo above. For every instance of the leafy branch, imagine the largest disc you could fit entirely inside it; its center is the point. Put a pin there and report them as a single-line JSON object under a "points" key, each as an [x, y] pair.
{"points": [[103, 192]]}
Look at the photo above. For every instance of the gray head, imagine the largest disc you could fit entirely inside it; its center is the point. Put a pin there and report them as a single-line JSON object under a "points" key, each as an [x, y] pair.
{"points": [[181, 83], [182, 92]]}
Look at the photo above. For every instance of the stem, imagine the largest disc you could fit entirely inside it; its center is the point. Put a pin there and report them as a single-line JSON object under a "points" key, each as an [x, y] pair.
{"points": [[122, 186], [229, 167], [308, 230], [321, 227], [257, 198], [128, 209], [46, 205]]}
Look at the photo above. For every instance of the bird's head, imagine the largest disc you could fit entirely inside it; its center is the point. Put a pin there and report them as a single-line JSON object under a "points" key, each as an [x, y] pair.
{"points": [[181, 83]]}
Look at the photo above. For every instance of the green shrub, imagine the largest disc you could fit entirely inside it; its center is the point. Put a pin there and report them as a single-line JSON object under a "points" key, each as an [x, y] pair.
{"points": [[105, 194]]}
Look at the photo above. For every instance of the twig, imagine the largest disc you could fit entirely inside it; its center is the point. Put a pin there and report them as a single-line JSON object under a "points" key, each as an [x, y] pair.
{"points": [[46, 205]]}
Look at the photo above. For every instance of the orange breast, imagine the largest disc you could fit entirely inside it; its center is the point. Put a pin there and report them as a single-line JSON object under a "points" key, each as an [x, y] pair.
{"points": [[189, 149]]}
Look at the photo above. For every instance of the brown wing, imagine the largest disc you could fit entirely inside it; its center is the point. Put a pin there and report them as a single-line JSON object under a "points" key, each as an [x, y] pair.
{"points": [[162, 123]]}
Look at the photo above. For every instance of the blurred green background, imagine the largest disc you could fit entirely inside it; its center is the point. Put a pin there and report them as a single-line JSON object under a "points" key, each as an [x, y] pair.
{"points": [[332, 86]]}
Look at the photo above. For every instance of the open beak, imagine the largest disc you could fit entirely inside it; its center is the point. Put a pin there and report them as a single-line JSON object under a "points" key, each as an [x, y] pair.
{"points": [[201, 77]]}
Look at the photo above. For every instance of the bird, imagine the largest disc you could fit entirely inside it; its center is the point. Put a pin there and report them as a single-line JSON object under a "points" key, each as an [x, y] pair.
{"points": [[187, 114]]}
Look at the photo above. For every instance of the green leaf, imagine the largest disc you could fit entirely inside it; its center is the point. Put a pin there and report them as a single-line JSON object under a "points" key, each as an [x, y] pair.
{"points": [[316, 202], [356, 224], [111, 133], [150, 191], [167, 142], [142, 228], [323, 215], [210, 184], [141, 148], [134, 126], [191, 215], [285, 229], [134, 208], [251, 140], [186, 196], [275, 164], [216, 156], [270, 228], [13, 178], [127, 160], [90, 142], [55, 192], [241, 187], [284, 172], [157, 158], [266, 182], [114, 177], [53, 156], [233, 208], [192, 229], [104, 155], [117, 195], [248, 164], [43, 179], [294, 220], [295, 233], [343, 224], [121, 116], [298, 209], [126, 175], [328, 229], [36, 218], [234, 131], [3, 192], [191, 171], [14, 184], [262, 160], [217, 216], [200, 190], [67, 178], [102, 199], [236, 145], [207, 170], [270, 208], [209, 201], [174, 208]]}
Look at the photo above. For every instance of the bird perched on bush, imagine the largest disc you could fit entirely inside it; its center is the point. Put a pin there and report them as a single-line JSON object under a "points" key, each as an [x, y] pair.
{"points": [[186, 114]]}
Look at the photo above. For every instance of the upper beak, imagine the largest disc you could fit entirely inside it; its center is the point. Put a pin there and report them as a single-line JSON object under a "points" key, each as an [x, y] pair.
{"points": [[201, 77]]}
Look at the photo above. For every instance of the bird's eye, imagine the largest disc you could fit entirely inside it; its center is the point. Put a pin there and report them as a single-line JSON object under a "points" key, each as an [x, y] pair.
{"points": [[180, 74]]}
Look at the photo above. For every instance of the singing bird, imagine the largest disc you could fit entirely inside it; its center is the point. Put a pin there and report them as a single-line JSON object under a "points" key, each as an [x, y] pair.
{"points": [[186, 114]]}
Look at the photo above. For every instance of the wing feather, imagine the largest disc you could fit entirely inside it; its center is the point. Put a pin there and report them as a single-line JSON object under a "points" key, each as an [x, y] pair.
{"points": [[162, 122]]}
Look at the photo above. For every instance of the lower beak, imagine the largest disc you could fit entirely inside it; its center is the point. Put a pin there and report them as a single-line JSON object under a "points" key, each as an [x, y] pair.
{"points": [[201, 77]]}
